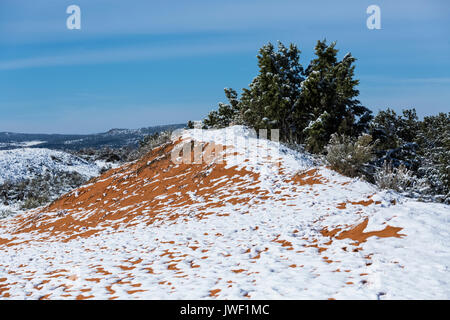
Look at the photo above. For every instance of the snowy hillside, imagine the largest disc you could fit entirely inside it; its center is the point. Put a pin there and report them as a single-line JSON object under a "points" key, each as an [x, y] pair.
{"points": [[33, 177], [19, 164], [251, 220]]}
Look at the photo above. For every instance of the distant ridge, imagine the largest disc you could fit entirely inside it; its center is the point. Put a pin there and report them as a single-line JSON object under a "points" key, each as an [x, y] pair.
{"points": [[114, 138]]}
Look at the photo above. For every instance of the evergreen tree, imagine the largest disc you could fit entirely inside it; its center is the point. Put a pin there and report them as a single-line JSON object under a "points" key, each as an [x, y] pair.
{"points": [[328, 97], [434, 148], [226, 114], [307, 109], [273, 96], [190, 124], [385, 128], [397, 135], [421, 147]]}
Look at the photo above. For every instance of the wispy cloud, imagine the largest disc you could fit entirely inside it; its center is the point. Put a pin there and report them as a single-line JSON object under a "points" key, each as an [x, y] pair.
{"points": [[401, 80], [126, 54]]}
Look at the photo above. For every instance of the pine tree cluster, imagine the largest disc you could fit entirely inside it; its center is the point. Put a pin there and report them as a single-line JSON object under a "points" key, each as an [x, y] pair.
{"points": [[420, 149], [306, 105], [317, 107]]}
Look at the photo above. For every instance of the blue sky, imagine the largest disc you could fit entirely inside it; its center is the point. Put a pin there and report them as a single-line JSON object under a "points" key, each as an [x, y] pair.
{"points": [[141, 63]]}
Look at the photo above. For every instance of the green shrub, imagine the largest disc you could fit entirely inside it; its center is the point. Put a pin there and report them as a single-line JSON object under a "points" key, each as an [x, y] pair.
{"points": [[348, 156], [398, 179], [35, 202], [148, 143]]}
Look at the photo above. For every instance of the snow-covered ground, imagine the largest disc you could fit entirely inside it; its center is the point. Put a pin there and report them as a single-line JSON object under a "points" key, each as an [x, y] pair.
{"points": [[267, 223], [25, 163], [19, 164]]}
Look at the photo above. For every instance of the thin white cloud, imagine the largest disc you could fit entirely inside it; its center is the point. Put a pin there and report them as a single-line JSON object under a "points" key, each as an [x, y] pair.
{"points": [[126, 54], [405, 80]]}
